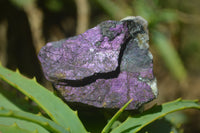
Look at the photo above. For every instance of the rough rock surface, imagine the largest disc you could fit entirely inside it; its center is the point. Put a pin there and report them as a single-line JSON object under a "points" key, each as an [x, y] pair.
{"points": [[104, 67]]}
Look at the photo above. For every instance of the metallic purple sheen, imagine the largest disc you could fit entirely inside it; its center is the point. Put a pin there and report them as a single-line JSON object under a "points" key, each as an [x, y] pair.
{"points": [[104, 67]]}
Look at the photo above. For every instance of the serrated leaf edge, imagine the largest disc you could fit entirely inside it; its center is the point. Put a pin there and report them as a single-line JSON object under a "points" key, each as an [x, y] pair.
{"points": [[40, 120]]}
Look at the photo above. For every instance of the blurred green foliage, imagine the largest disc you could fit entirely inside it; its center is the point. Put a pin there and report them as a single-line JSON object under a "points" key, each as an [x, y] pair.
{"points": [[21, 3], [54, 5], [174, 28]]}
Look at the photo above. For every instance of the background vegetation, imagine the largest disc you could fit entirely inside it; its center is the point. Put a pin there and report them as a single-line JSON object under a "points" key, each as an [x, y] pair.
{"points": [[174, 27]]}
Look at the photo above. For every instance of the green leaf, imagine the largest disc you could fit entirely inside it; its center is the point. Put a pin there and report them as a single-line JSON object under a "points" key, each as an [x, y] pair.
{"points": [[29, 117], [136, 123], [177, 118], [57, 110], [4, 102], [10, 101], [160, 126], [13, 129], [7, 121], [115, 117]]}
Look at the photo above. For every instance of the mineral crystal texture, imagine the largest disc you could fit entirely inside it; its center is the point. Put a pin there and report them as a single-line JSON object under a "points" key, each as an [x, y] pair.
{"points": [[104, 67]]}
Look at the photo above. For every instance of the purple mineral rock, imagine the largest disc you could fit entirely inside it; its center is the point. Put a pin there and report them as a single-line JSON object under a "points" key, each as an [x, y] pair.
{"points": [[104, 67]]}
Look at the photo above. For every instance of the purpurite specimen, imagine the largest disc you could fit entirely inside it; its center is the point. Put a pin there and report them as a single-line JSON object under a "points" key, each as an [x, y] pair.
{"points": [[104, 67]]}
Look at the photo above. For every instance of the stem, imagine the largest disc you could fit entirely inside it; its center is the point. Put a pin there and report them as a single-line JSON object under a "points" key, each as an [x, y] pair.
{"points": [[115, 117]]}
